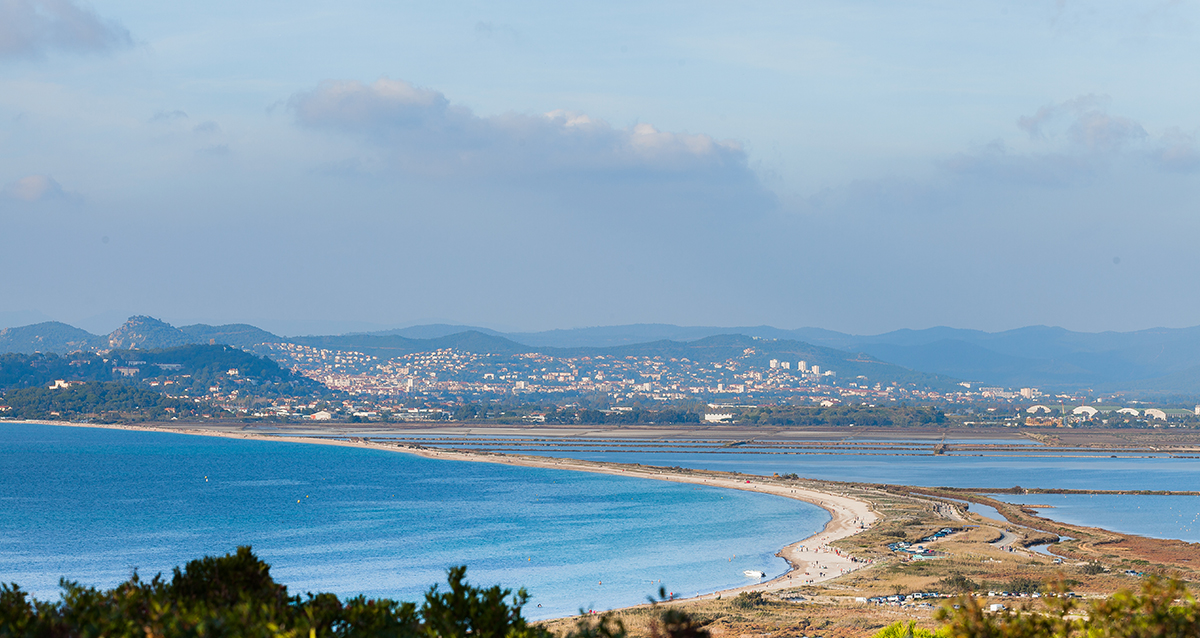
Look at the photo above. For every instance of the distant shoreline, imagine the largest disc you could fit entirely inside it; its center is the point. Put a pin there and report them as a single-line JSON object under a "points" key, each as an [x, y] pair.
{"points": [[848, 516]]}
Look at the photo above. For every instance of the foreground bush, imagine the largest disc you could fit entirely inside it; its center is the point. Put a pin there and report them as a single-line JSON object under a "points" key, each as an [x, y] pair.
{"points": [[234, 595], [900, 629], [1161, 610]]}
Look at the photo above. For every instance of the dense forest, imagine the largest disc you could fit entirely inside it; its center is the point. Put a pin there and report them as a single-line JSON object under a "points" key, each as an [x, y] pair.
{"points": [[31, 370], [99, 401], [195, 368]]}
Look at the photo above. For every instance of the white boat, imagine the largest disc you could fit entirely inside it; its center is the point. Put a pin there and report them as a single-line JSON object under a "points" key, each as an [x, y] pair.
{"points": [[754, 573]]}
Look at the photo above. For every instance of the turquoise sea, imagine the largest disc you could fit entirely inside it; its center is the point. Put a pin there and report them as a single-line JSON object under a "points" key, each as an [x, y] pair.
{"points": [[93, 504]]}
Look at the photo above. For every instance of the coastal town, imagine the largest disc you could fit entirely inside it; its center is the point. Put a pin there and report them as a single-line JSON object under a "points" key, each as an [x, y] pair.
{"points": [[217, 372], [434, 385]]}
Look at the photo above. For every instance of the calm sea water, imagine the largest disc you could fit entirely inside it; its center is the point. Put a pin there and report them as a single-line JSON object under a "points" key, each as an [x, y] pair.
{"points": [[93, 504]]}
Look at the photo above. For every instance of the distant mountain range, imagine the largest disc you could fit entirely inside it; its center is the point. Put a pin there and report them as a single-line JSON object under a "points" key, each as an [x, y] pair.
{"points": [[1147, 361], [1158, 360]]}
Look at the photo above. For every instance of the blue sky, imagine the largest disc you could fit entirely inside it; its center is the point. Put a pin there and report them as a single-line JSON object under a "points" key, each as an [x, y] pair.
{"points": [[850, 165]]}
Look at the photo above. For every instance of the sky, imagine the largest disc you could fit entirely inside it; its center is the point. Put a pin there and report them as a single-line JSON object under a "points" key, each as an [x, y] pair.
{"points": [[855, 166]]}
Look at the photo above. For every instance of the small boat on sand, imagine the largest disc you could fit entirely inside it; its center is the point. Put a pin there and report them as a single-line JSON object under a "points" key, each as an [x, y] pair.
{"points": [[754, 573]]}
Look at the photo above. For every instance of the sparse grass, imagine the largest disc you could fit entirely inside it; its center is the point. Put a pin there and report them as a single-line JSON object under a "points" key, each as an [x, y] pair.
{"points": [[968, 563]]}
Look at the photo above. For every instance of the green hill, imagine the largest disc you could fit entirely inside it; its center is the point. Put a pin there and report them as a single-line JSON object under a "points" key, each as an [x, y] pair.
{"points": [[49, 336], [390, 346], [147, 332], [99, 401], [235, 334], [759, 352]]}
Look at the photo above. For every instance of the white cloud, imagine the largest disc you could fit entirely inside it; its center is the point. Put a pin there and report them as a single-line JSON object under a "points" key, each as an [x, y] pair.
{"points": [[1177, 150], [425, 132], [1075, 140], [31, 28], [35, 188], [1036, 124], [1085, 123]]}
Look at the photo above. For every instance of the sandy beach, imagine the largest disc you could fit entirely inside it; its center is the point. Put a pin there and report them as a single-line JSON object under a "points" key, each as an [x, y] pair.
{"points": [[812, 560]]}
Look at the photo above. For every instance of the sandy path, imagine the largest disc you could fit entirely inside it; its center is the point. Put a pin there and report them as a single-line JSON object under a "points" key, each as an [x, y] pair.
{"points": [[811, 559]]}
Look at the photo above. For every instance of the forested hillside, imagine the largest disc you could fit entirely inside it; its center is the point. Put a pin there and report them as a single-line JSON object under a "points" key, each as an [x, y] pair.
{"points": [[142, 384]]}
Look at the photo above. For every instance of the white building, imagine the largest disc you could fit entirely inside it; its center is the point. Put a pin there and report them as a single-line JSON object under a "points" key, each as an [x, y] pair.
{"points": [[803, 367], [774, 363]]}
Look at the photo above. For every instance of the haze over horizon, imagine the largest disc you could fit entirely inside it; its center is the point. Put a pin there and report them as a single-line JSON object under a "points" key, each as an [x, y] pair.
{"points": [[529, 166]]}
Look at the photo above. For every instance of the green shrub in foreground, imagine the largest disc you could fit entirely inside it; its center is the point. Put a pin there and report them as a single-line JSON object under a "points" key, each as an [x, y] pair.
{"points": [[900, 629], [234, 595], [1161, 610]]}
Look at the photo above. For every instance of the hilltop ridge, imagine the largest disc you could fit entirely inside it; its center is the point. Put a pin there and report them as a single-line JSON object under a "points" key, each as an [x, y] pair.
{"points": [[1153, 361]]}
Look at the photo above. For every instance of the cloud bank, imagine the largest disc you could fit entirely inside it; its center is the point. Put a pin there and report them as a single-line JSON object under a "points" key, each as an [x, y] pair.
{"points": [[1078, 140], [32, 28], [35, 188], [425, 132]]}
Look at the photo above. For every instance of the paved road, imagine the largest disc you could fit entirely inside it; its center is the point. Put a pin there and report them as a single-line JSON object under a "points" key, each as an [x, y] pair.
{"points": [[946, 510], [1006, 538]]}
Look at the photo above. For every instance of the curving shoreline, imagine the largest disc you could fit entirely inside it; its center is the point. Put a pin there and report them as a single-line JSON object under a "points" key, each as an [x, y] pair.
{"points": [[811, 560]]}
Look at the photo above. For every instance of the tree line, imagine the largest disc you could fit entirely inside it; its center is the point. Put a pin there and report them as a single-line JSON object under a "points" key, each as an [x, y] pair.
{"points": [[842, 416], [235, 596], [129, 385], [106, 402]]}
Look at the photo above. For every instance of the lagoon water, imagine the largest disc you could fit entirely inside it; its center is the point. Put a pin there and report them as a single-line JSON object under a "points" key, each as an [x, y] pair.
{"points": [[93, 504], [999, 471], [1159, 517], [1156, 516]]}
